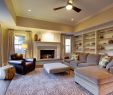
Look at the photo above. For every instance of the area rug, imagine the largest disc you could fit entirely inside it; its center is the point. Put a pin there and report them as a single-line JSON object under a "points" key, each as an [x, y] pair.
{"points": [[39, 82]]}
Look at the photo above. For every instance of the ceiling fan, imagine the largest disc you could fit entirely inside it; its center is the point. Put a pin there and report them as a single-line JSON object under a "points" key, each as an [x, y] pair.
{"points": [[69, 6]]}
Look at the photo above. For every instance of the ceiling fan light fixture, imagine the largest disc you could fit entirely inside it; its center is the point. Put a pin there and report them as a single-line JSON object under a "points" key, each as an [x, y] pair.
{"points": [[69, 6]]}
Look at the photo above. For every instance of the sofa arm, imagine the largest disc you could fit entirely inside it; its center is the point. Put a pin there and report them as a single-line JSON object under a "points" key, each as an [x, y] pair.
{"points": [[74, 62], [16, 62], [30, 59], [111, 70]]}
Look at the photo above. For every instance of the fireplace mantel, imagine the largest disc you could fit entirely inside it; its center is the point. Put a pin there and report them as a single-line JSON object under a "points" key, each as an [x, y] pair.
{"points": [[44, 43], [37, 46]]}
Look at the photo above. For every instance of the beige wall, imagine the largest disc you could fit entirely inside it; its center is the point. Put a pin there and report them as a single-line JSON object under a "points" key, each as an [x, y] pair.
{"points": [[32, 23], [47, 36], [100, 18]]}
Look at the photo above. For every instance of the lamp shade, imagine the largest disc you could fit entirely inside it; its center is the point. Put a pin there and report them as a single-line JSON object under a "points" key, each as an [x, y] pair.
{"points": [[24, 46]]}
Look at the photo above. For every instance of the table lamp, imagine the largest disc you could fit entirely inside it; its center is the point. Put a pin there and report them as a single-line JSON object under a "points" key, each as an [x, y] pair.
{"points": [[25, 47]]}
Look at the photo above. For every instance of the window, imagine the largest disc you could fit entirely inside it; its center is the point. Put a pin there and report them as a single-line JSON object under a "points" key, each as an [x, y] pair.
{"points": [[68, 45], [19, 40]]}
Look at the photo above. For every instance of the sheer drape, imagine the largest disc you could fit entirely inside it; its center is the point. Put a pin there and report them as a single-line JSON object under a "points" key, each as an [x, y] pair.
{"points": [[72, 44], [30, 44], [1, 45], [62, 46], [10, 44]]}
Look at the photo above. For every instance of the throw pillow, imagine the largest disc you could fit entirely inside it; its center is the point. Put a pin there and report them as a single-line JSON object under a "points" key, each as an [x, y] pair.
{"points": [[110, 64], [104, 61], [17, 56], [74, 56]]}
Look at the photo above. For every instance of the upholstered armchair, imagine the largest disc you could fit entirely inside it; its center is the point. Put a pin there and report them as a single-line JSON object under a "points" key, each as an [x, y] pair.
{"points": [[22, 65]]}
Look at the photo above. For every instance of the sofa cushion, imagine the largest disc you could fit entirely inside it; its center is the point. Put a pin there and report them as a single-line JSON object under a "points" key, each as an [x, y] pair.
{"points": [[86, 64], [110, 64], [94, 74], [74, 64], [93, 58], [66, 63], [83, 57]]}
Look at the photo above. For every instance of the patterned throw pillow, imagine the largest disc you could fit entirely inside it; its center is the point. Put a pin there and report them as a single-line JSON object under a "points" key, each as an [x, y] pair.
{"points": [[110, 64], [104, 61], [74, 56]]}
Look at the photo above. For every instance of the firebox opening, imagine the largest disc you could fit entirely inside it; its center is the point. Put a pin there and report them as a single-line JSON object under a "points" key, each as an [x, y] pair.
{"points": [[46, 54]]}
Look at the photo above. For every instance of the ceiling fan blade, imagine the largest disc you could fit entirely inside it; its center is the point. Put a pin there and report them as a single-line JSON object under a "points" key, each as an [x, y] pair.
{"points": [[59, 8], [76, 9]]}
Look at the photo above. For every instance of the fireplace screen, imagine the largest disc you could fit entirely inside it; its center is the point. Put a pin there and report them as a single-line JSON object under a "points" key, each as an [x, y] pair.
{"points": [[46, 54]]}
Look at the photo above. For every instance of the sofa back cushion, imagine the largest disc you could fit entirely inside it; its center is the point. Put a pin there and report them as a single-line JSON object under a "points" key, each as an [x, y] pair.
{"points": [[83, 57], [93, 58]]}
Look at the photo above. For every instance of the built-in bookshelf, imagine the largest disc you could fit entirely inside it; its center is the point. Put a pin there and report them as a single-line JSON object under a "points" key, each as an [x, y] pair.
{"points": [[100, 41], [105, 40], [79, 43], [89, 43]]}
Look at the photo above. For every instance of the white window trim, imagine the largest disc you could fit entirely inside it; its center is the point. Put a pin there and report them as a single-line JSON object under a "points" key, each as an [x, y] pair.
{"points": [[68, 37]]}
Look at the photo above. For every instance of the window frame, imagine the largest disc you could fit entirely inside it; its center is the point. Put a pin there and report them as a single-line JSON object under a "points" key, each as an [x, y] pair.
{"points": [[68, 37], [22, 50]]}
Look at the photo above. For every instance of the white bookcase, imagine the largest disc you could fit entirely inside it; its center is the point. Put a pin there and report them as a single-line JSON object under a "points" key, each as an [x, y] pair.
{"points": [[100, 41]]}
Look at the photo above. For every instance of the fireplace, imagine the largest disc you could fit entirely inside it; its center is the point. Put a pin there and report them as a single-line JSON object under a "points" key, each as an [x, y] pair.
{"points": [[47, 54], [46, 50]]}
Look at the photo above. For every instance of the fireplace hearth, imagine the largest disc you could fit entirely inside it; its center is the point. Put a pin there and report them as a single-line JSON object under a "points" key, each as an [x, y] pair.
{"points": [[47, 54]]}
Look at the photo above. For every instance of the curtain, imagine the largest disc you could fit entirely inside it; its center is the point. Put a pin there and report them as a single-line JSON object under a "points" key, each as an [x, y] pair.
{"points": [[72, 44], [62, 46], [10, 43], [1, 44], [29, 52]]}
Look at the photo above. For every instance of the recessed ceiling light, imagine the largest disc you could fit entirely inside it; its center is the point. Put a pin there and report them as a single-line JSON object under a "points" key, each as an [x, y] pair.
{"points": [[72, 19], [29, 10]]}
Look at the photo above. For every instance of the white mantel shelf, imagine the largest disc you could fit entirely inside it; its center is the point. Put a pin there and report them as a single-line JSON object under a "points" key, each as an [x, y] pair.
{"points": [[46, 42]]}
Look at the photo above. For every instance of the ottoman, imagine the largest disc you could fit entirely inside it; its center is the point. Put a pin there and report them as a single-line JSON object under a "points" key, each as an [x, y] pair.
{"points": [[56, 67], [7, 72]]}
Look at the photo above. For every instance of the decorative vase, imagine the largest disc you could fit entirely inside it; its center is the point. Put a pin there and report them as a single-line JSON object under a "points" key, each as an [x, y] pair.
{"points": [[35, 37]]}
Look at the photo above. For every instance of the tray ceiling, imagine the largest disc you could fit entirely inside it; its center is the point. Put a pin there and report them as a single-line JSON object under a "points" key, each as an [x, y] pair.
{"points": [[43, 9]]}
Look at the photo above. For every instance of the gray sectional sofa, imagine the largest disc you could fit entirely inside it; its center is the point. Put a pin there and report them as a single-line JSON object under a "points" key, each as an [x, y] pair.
{"points": [[84, 60], [91, 76]]}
